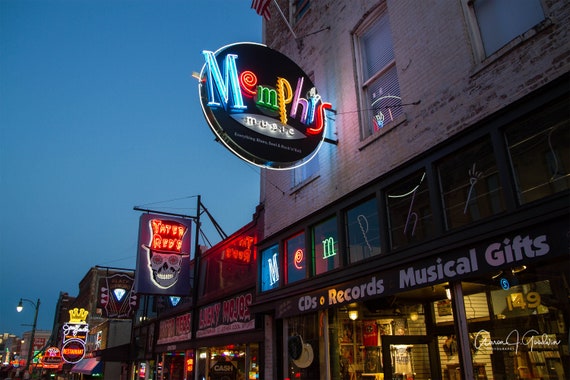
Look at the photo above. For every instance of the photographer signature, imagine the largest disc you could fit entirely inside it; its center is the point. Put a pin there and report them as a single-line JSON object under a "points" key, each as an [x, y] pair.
{"points": [[514, 340]]}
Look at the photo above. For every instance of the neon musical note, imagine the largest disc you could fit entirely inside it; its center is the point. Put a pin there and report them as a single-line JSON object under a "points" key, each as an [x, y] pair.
{"points": [[411, 214], [473, 178]]}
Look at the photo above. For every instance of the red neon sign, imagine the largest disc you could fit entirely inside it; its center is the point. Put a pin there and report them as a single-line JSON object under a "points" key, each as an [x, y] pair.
{"points": [[167, 236], [298, 258]]}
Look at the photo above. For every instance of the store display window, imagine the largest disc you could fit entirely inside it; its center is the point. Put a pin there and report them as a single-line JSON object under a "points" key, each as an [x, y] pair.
{"points": [[296, 258], [379, 337], [231, 362], [363, 230], [233, 260], [517, 325], [539, 148], [172, 366], [409, 211], [471, 189], [325, 246], [302, 354]]}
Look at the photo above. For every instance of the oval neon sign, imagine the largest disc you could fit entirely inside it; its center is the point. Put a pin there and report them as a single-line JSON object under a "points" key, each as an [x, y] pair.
{"points": [[262, 106]]}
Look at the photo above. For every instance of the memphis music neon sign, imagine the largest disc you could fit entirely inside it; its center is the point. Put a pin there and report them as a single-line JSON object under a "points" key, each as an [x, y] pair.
{"points": [[262, 106]]}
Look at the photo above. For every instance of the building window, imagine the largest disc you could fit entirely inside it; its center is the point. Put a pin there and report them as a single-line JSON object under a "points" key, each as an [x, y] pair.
{"points": [[301, 174], [539, 148], [325, 246], [470, 184], [300, 7], [380, 90], [270, 272], [409, 211], [296, 258], [363, 230], [500, 21]]}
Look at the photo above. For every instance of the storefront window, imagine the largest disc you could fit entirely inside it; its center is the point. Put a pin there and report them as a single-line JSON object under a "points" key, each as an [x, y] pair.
{"points": [[529, 334], [301, 335], [371, 340], [539, 147], [517, 325], [234, 361], [470, 185], [409, 211], [296, 258], [230, 265], [325, 246], [172, 366], [270, 262], [363, 231]]}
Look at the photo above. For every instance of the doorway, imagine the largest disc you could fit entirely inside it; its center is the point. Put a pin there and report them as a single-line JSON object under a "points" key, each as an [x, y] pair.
{"points": [[410, 357]]}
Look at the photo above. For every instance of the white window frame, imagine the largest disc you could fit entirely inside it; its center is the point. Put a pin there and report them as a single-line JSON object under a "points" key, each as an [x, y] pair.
{"points": [[475, 32], [366, 115]]}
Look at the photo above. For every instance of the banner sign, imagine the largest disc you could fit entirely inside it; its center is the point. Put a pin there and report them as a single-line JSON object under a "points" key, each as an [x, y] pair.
{"points": [[163, 263], [230, 315], [175, 329], [262, 106], [527, 247], [117, 299]]}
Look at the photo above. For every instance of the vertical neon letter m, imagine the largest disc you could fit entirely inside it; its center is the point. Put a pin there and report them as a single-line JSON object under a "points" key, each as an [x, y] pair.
{"points": [[225, 89], [273, 269]]}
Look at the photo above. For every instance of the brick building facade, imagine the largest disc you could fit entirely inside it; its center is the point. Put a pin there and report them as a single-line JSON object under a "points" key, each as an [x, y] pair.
{"points": [[445, 171]]}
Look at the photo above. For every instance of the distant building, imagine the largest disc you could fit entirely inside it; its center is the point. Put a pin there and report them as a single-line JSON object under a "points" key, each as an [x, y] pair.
{"points": [[106, 298]]}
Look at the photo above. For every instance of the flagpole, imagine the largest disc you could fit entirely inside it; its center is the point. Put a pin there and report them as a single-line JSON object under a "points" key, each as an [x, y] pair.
{"points": [[285, 19]]}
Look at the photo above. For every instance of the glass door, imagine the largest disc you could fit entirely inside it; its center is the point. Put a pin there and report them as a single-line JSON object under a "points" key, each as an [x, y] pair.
{"points": [[408, 358]]}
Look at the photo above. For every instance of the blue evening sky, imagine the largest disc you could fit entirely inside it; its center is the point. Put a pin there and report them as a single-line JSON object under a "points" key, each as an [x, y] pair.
{"points": [[99, 113]]}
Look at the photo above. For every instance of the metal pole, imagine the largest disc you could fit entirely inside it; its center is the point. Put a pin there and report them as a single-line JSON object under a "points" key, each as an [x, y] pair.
{"points": [[31, 345]]}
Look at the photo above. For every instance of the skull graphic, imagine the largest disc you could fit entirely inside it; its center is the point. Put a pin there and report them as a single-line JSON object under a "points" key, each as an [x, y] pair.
{"points": [[165, 268], [165, 251]]}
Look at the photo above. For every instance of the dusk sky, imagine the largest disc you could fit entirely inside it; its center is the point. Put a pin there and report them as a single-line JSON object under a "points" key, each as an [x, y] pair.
{"points": [[99, 113]]}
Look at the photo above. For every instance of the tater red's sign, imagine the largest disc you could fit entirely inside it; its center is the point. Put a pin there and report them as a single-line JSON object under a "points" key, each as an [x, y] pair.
{"points": [[262, 106], [163, 264]]}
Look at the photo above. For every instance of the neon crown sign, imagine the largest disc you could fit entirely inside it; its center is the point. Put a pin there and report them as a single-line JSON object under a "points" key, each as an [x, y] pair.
{"points": [[262, 106]]}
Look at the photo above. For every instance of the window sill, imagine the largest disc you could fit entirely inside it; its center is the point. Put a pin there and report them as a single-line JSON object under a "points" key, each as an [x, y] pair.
{"points": [[505, 50], [297, 188]]}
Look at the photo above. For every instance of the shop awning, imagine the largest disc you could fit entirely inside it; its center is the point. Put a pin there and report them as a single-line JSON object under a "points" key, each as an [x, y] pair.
{"points": [[120, 353], [88, 366]]}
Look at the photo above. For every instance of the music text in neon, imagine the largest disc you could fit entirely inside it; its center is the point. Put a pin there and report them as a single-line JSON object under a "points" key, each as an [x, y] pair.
{"points": [[329, 248], [227, 90]]}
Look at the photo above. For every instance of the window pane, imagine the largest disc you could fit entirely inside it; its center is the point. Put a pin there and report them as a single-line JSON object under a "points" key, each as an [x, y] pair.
{"points": [[304, 172], [301, 7], [230, 266], [270, 268], [296, 258], [539, 147], [409, 211], [470, 185], [500, 21], [377, 47], [363, 231], [325, 246], [381, 101], [384, 100]]}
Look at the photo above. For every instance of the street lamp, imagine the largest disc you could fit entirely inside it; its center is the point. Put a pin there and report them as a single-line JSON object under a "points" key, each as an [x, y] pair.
{"points": [[20, 307]]}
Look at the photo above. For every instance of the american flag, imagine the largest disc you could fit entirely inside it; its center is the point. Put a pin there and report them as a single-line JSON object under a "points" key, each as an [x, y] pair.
{"points": [[262, 8]]}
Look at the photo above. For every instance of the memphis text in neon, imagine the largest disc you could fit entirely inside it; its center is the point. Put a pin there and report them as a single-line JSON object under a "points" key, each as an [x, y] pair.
{"points": [[227, 90]]}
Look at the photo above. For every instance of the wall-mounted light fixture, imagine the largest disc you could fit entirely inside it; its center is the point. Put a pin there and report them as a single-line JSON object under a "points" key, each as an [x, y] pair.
{"points": [[447, 292], [353, 314]]}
